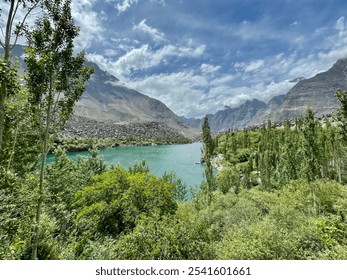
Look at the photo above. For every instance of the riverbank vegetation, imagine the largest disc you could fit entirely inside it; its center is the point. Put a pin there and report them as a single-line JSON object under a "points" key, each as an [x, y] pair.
{"points": [[88, 143], [281, 193]]}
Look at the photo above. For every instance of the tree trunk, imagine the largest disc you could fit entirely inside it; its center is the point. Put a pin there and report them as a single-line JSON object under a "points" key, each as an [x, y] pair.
{"points": [[42, 174], [7, 49]]}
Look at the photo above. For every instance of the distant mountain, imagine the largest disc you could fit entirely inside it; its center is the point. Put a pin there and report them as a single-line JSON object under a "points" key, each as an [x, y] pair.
{"points": [[235, 118], [192, 121], [317, 93], [266, 113]]}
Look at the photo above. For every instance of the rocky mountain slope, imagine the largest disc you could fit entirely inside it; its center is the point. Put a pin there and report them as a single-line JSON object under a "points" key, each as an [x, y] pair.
{"points": [[235, 118], [107, 100], [82, 127], [317, 93], [111, 105]]}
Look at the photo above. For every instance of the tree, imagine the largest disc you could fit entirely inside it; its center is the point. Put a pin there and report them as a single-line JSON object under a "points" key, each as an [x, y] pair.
{"points": [[8, 43], [207, 138], [311, 147], [56, 79], [342, 114], [180, 189], [116, 199], [208, 145]]}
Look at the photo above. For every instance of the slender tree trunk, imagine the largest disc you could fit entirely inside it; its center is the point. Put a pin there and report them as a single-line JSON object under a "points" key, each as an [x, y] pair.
{"points": [[2, 113], [7, 49], [339, 171], [314, 199], [42, 174], [13, 147]]}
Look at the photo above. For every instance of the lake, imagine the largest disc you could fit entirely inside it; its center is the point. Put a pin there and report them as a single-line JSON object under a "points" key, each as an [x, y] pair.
{"points": [[181, 159]]}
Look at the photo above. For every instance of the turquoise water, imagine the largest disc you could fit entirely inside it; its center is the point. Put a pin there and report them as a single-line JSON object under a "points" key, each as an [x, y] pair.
{"points": [[181, 159]]}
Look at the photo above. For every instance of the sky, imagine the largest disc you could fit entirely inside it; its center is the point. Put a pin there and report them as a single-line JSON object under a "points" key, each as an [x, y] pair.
{"points": [[198, 56]]}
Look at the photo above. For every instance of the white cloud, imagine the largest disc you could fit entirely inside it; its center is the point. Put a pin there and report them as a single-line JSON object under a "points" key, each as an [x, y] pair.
{"points": [[191, 51], [110, 52], [161, 2], [254, 65], [82, 11], [89, 23], [144, 58], [208, 68], [125, 5], [251, 66], [154, 33], [295, 23], [183, 92], [20, 14], [341, 26], [208, 88]]}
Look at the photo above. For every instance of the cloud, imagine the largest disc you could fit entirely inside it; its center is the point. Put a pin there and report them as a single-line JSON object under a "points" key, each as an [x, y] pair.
{"points": [[161, 2], [183, 92], [208, 68], [341, 26], [251, 66], [295, 23], [152, 32], [143, 58], [194, 80], [125, 5], [91, 29]]}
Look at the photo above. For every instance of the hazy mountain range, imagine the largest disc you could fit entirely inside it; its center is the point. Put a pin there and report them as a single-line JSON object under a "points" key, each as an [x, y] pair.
{"points": [[108, 101], [317, 93]]}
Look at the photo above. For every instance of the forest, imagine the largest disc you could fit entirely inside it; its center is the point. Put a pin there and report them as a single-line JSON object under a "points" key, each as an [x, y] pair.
{"points": [[281, 192]]}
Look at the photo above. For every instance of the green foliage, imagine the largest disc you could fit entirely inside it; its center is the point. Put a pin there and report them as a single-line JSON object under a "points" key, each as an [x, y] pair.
{"points": [[273, 157], [207, 138], [342, 113], [281, 194], [180, 189], [56, 79], [288, 227], [139, 168], [208, 150], [9, 76], [166, 238], [64, 177], [85, 144], [16, 214], [228, 179], [20, 148], [117, 199]]}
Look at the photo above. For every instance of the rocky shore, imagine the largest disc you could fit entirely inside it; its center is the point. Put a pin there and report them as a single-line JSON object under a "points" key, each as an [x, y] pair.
{"points": [[79, 127]]}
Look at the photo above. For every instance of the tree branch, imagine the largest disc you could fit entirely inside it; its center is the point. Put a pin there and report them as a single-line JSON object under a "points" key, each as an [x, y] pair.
{"points": [[23, 21]]}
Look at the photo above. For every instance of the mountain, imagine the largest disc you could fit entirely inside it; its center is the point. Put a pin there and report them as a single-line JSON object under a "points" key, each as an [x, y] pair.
{"points": [[192, 121], [235, 118], [317, 93], [110, 103], [266, 113], [106, 99]]}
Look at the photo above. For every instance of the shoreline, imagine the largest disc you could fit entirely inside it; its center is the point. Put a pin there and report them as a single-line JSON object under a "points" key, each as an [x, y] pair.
{"points": [[86, 144]]}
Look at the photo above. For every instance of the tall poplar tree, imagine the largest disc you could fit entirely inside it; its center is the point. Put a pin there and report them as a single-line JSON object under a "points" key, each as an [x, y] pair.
{"points": [[208, 145], [56, 79], [9, 40]]}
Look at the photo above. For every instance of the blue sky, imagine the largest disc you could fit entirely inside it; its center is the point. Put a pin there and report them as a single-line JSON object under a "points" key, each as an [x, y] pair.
{"points": [[198, 56]]}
